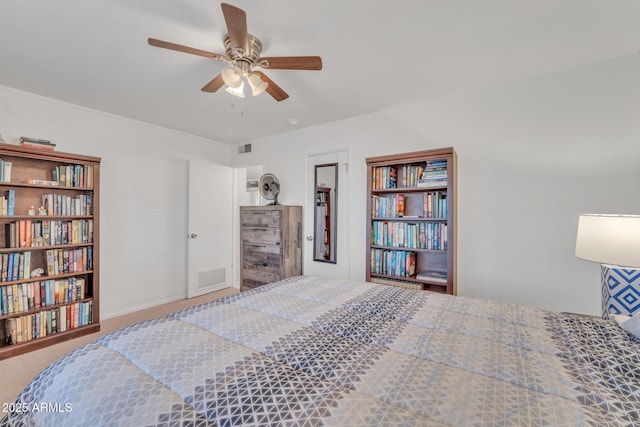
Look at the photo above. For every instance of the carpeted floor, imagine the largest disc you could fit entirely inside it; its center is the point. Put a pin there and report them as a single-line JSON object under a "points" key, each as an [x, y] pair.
{"points": [[19, 370]]}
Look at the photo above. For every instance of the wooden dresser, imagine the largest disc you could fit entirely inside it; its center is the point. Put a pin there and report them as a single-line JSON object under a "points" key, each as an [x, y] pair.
{"points": [[271, 244]]}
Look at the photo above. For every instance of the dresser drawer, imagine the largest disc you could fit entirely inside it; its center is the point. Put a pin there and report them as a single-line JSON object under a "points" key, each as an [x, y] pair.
{"points": [[264, 235], [250, 284], [266, 270], [261, 261], [264, 218], [249, 248]]}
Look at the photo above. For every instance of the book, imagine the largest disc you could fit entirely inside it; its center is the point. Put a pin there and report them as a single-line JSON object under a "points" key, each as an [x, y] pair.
{"points": [[38, 141], [10, 235], [6, 171], [43, 182], [37, 146], [433, 276], [5, 267], [16, 266], [49, 261], [10, 195]]}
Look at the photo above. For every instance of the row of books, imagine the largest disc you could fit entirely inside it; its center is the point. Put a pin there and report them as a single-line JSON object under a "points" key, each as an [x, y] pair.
{"points": [[59, 204], [389, 206], [393, 263], [79, 176], [22, 297], [16, 266], [37, 233], [62, 261], [410, 175], [434, 174], [435, 204], [8, 201], [429, 174], [322, 196], [421, 235], [384, 177], [54, 204], [5, 170], [32, 326]]}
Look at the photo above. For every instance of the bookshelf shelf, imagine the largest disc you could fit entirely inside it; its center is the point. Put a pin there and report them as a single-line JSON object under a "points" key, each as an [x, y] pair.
{"points": [[44, 217], [62, 303], [67, 246], [408, 189], [49, 307], [48, 187], [402, 248], [406, 219], [411, 220]]}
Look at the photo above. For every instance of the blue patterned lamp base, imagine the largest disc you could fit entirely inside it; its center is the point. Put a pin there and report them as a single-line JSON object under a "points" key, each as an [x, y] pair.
{"points": [[620, 290]]}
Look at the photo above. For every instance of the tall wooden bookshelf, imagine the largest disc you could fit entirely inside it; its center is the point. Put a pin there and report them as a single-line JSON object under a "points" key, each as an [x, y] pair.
{"points": [[62, 239], [411, 220]]}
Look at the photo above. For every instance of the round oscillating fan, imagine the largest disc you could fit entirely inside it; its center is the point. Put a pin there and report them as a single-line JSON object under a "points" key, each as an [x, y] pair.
{"points": [[269, 187]]}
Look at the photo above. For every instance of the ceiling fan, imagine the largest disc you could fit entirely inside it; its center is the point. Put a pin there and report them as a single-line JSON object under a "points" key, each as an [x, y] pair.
{"points": [[243, 56]]}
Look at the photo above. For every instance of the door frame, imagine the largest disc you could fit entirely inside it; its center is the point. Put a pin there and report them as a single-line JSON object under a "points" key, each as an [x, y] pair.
{"points": [[342, 268], [223, 220]]}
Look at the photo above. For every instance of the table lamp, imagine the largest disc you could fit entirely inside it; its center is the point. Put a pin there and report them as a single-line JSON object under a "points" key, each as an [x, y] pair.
{"points": [[614, 242]]}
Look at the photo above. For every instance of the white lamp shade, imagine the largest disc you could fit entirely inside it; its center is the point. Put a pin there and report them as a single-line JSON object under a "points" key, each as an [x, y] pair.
{"points": [[609, 239], [257, 84], [232, 77], [237, 91]]}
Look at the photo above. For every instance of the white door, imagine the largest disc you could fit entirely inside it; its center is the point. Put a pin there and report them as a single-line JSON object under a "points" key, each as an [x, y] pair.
{"points": [[209, 248], [342, 246]]}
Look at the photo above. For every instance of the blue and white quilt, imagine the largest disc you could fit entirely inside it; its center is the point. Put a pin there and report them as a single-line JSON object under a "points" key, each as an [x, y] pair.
{"points": [[311, 351]]}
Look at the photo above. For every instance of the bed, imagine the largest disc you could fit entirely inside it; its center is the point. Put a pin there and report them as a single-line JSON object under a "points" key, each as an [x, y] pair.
{"points": [[317, 351]]}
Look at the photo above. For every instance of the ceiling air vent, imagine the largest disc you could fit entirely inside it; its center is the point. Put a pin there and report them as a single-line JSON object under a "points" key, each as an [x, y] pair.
{"points": [[246, 148]]}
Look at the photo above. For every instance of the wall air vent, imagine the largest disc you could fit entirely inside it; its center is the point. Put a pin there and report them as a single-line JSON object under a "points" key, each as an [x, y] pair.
{"points": [[211, 278]]}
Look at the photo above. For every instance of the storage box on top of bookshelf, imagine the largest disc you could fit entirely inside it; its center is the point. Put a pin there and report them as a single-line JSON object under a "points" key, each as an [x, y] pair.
{"points": [[49, 240], [411, 224]]}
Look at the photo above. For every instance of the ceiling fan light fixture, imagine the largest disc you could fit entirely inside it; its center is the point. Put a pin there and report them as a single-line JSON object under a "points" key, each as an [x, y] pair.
{"points": [[236, 91], [243, 53], [232, 77], [257, 84]]}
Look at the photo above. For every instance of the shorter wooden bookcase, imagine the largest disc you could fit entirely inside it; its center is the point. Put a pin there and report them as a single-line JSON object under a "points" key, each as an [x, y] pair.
{"points": [[411, 220], [50, 221]]}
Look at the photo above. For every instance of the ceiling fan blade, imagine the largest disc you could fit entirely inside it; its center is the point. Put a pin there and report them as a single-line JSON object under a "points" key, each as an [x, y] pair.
{"points": [[291, 63], [215, 84], [273, 89], [185, 49], [236, 20]]}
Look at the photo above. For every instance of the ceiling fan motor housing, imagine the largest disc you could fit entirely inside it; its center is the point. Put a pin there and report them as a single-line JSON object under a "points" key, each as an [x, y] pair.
{"points": [[243, 60]]}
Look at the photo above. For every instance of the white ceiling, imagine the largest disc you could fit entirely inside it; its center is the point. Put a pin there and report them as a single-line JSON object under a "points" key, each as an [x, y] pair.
{"points": [[376, 54]]}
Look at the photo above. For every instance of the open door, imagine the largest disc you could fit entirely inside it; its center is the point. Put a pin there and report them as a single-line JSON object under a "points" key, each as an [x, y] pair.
{"points": [[210, 225]]}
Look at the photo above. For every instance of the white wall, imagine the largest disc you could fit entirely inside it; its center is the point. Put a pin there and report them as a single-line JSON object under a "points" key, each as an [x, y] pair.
{"points": [[143, 192], [243, 197], [532, 156]]}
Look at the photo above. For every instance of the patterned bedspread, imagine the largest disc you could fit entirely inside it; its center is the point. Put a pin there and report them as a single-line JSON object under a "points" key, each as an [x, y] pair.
{"points": [[316, 351]]}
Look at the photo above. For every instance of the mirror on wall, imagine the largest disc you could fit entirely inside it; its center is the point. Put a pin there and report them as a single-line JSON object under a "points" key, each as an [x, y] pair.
{"points": [[326, 208]]}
